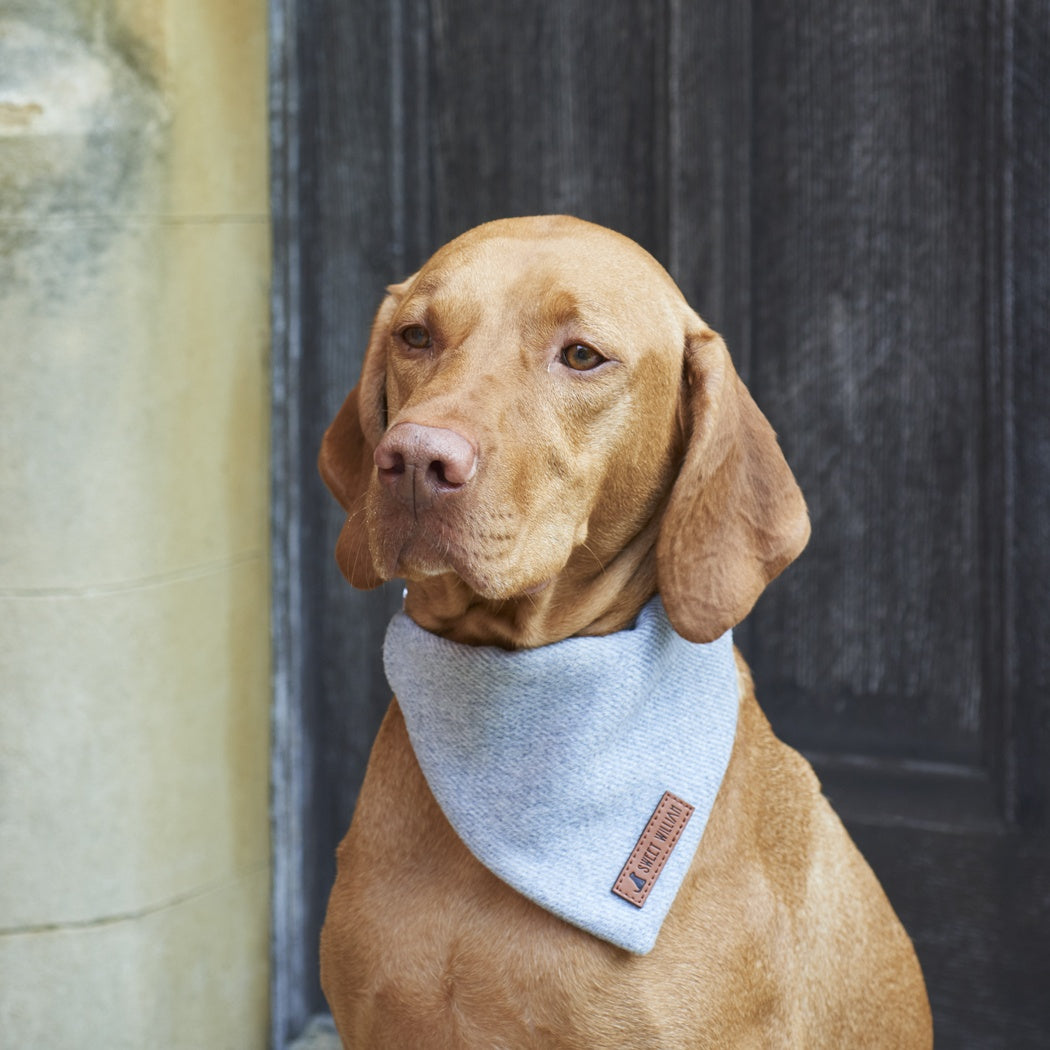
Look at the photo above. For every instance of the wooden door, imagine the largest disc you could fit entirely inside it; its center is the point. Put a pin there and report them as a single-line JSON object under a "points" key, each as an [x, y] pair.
{"points": [[855, 194]]}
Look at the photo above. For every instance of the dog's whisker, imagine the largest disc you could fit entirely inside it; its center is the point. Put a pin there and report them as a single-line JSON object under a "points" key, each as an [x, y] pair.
{"points": [[601, 564]]}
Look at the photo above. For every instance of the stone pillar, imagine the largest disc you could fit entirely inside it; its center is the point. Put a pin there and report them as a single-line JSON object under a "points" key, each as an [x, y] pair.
{"points": [[134, 397]]}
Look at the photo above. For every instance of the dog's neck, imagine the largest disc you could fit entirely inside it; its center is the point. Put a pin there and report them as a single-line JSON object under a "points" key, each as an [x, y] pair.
{"points": [[588, 597]]}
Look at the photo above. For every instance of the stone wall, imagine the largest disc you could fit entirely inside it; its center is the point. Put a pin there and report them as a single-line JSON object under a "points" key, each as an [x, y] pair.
{"points": [[134, 667]]}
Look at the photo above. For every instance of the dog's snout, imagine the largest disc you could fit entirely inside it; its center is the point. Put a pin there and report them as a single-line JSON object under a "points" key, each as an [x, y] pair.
{"points": [[421, 464]]}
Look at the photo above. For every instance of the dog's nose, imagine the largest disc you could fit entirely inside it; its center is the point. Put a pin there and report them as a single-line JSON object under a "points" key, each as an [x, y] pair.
{"points": [[421, 464]]}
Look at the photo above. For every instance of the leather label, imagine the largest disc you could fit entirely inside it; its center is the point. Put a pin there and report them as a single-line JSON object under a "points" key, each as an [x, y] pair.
{"points": [[652, 850]]}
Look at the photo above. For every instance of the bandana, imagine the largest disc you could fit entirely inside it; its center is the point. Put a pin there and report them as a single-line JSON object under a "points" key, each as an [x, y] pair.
{"points": [[581, 773]]}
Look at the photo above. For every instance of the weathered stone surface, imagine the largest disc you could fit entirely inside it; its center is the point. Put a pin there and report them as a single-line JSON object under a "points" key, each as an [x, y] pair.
{"points": [[134, 696]]}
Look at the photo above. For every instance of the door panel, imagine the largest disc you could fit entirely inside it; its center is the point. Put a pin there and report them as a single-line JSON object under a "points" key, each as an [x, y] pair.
{"points": [[855, 195], [547, 108], [871, 358]]}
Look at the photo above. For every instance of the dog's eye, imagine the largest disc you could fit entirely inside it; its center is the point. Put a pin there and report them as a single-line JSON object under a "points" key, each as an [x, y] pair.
{"points": [[416, 336], [581, 358]]}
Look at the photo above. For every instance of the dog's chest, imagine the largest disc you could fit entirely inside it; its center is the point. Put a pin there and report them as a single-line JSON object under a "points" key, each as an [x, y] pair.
{"points": [[423, 947], [436, 951]]}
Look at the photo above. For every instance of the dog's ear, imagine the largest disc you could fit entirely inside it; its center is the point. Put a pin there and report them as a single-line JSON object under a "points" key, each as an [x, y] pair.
{"points": [[736, 517], [345, 460]]}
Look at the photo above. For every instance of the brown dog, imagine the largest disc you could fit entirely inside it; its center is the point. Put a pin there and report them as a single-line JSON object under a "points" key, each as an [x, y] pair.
{"points": [[545, 435]]}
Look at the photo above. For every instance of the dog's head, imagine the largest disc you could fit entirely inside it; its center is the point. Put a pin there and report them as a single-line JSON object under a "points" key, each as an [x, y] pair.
{"points": [[539, 396]]}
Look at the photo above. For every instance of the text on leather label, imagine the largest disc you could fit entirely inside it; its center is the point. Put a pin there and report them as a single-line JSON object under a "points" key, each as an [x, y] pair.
{"points": [[653, 849]]}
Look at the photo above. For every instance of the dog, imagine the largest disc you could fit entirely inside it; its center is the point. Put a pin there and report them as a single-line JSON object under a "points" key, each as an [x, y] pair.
{"points": [[545, 441]]}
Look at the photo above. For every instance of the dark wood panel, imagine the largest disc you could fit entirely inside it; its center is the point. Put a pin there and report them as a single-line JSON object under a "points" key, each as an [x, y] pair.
{"points": [[709, 166], [869, 286], [547, 108], [289, 951], [970, 902], [1026, 295], [856, 196]]}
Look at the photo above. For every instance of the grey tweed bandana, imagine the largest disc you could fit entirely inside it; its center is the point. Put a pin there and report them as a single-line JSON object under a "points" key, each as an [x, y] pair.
{"points": [[581, 773]]}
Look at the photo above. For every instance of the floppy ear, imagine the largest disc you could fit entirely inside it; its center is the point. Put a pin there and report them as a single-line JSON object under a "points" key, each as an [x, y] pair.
{"points": [[345, 460], [736, 517]]}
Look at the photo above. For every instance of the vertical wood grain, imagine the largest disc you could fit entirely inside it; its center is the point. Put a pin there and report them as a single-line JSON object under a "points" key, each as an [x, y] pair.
{"points": [[708, 167], [868, 356], [1026, 295], [290, 950], [856, 196], [545, 108]]}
